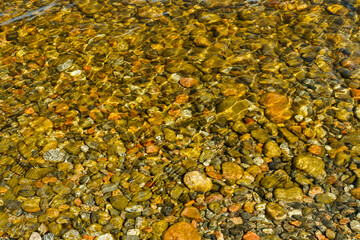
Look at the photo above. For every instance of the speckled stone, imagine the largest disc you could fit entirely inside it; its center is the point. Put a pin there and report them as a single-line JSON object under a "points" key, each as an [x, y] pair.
{"points": [[197, 181]]}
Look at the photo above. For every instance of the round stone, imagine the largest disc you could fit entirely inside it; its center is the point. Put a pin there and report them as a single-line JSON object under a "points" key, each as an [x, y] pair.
{"points": [[119, 202], [197, 181], [232, 171], [182, 231]]}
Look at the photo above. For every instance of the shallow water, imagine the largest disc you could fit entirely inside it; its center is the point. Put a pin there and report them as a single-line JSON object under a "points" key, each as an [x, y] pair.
{"points": [[120, 119]]}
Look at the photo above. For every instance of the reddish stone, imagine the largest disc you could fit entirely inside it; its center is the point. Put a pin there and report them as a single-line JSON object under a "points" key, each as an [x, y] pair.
{"points": [[251, 236], [152, 149], [191, 212], [215, 197], [315, 149], [188, 82]]}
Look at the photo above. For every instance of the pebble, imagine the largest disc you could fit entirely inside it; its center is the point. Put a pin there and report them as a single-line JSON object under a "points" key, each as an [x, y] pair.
{"points": [[31, 205], [182, 231], [251, 236], [191, 212], [71, 235], [275, 211], [355, 225], [232, 171], [119, 202], [314, 166], [106, 236], [293, 194], [54, 155], [197, 181], [35, 236]]}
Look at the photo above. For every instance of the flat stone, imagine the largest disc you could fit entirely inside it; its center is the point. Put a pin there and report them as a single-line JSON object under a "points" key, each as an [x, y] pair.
{"points": [[314, 166], [325, 197], [293, 194], [233, 108], [277, 107], [197, 181], [191, 212], [182, 231]]}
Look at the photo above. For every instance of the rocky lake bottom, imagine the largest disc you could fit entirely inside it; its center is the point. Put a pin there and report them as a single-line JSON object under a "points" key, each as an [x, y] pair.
{"points": [[179, 119]]}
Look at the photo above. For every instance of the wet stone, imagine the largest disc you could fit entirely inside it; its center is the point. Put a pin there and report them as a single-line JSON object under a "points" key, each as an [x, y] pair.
{"points": [[71, 235], [197, 181], [119, 202], [275, 211], [31, 205], [314, 166], [182, 231], [232, 171], [294, 194], [272, 149], [325, 197], [54, 155]]}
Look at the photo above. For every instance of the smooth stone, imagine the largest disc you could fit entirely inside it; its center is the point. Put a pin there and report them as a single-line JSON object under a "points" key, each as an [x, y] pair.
{"points": [[71, 235], [119, 202], [261, 135], [271, 149], [106, 236], [54, 155], [314, 166], [31, 205], [277, 107], [191, 212], [197, 181], [182, 231], [142, 196], [233, 108], [275, 212], [293, 194], [231, 171], [325, 197], [35, 236], [278, 179], [355, 225]]}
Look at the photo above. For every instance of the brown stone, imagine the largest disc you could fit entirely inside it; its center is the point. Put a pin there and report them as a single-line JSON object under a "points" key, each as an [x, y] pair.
{"points": [[356, 193], [188, 82], [182, 231], [251, 236], [191, 212], [277, 107], [232, 171]]}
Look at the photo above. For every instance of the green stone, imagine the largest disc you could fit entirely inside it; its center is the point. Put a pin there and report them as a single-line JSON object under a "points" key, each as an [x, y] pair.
{"points": [[314, 166], [119, 202], [293, 194], [278, 179]]}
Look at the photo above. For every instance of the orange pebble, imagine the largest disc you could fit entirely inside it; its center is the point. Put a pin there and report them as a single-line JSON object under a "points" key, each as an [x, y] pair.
{"points": [[77, 202], [29, 110]]}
